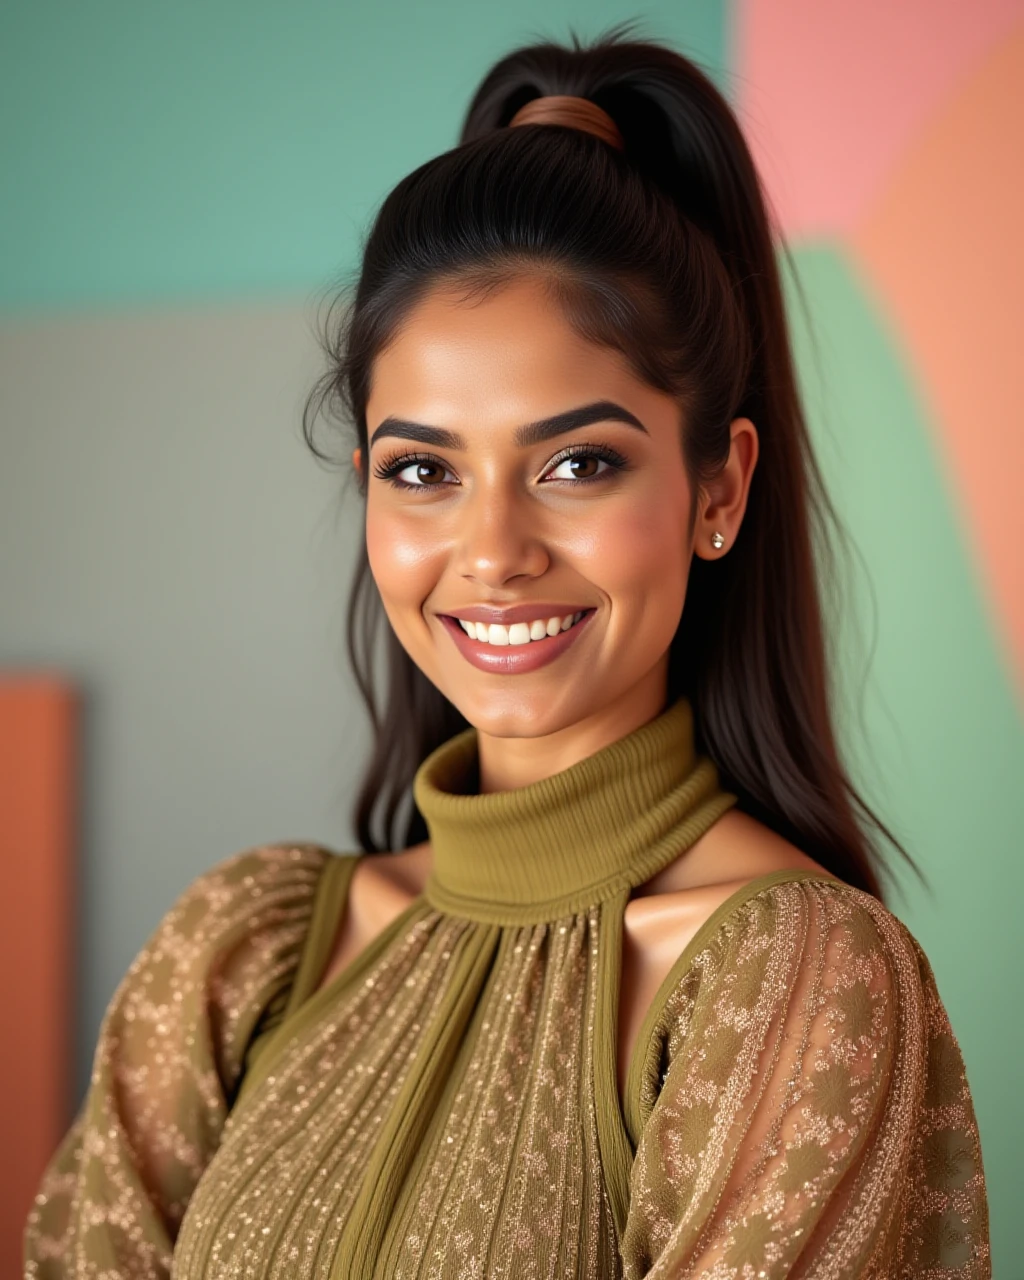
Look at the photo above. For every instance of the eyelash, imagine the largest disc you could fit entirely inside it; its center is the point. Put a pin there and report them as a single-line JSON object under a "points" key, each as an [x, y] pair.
{"points": [[389, 468]]}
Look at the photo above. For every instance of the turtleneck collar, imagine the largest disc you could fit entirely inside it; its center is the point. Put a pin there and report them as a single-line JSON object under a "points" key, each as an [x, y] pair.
{"points": [[588, 833]]}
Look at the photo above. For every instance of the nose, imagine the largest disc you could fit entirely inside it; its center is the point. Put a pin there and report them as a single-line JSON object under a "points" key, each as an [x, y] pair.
{"points": [[499, 538]]}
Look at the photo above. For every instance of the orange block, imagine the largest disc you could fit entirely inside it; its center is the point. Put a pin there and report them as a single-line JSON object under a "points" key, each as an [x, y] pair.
{"points": [[38, 716]]}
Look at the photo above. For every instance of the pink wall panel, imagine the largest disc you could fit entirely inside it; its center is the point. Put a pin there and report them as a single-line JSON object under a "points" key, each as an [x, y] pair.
{"points": [[831, 95]]}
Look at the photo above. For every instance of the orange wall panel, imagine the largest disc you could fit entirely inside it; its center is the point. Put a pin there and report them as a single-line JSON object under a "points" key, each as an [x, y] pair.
{"points": [[38, 714]]}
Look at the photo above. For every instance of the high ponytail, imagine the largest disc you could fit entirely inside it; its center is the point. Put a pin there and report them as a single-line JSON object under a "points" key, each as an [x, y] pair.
{"points": [[673, 232]]}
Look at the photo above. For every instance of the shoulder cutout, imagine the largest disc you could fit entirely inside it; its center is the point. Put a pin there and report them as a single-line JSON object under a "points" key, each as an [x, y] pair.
{"points": [[381, 886]]}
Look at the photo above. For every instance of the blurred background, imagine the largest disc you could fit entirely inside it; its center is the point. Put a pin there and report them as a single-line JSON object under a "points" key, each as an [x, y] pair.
{"points": [[181, 186]]}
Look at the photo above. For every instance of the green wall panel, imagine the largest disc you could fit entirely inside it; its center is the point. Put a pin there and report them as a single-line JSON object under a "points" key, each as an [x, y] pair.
{"points": [[239, 147]]}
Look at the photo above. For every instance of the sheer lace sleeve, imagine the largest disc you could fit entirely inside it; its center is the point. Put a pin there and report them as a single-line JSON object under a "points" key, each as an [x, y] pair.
{"points": [[170, 1053], [805, 1110]]}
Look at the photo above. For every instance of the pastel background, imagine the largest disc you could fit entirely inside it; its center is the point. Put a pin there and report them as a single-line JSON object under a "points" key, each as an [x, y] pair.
{"points": [[181, 186]]}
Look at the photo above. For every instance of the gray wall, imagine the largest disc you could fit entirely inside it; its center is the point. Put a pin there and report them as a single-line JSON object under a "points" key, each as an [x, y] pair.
{"points": [[167, 538]]}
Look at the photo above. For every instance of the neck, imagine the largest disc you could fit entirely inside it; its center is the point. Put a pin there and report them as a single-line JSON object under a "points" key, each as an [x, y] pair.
{"points": [[507, 761]]}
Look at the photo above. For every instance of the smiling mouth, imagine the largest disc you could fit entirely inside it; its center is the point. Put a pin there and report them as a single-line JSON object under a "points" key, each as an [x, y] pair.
{"points": [[515, 656], [518, 633]]}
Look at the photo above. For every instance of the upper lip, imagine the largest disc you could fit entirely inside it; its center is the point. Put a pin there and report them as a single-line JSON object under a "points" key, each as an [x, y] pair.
{"points": [[514, 613]]}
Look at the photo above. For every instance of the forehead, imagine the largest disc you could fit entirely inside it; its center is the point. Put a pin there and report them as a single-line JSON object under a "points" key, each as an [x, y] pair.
{"points": [[511, 354]]}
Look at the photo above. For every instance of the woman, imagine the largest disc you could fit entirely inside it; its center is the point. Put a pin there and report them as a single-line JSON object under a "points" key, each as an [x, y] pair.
{"points": [[617, 995]]}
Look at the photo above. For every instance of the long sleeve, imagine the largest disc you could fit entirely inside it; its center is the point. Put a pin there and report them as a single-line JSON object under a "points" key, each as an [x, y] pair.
{"points": [[805, 1107], [169, 1056]]}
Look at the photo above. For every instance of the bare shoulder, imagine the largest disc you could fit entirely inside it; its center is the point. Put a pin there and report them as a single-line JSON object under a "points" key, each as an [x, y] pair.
{"points": [[403, 872], [737, 848], [382, 886], [665, 913]]}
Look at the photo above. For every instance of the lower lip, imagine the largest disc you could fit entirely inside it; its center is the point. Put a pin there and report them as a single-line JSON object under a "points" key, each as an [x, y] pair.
{"points": [[513, 659]]}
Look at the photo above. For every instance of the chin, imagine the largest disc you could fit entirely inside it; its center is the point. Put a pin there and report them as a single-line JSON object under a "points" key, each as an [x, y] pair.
{"points": [[512, 713]]}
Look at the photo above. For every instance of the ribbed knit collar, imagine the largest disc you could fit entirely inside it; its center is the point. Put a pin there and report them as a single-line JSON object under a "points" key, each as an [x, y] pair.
{"points": [[584, 835]]}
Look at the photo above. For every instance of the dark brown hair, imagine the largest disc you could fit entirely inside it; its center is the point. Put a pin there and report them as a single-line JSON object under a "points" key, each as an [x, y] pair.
{"points": [[665, 252]]}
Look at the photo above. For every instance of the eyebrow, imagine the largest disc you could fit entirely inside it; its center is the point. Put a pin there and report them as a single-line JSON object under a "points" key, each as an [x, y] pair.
{"points": [[529, 433]]}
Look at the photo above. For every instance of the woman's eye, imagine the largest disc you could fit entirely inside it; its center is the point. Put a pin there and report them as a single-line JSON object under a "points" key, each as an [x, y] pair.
{"points": [[587, 463], [421, 472], [581, 466], [413, 473]]}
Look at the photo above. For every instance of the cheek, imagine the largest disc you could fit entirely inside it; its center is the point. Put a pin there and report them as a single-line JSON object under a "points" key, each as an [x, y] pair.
{"points": [[639, 548], [639, 560], [402, 560]]}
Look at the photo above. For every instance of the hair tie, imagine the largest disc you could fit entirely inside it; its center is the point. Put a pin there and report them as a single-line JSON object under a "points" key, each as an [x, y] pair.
{"points": [[576, 113]]}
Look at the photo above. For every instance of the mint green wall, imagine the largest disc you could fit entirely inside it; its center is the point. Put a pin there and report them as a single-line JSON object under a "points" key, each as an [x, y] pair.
{"points": [[178, 179], [210, 148]]}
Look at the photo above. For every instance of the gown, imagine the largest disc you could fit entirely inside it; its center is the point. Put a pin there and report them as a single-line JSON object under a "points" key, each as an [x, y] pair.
{"points": [[447, 1105]]}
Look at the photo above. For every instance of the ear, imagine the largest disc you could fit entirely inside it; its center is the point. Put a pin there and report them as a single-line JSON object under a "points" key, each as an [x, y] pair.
{"points": [[724, 499], [357, 462]]}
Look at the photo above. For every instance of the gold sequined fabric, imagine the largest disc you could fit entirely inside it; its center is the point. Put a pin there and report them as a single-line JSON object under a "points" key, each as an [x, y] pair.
{"points": [[447, 1105]]}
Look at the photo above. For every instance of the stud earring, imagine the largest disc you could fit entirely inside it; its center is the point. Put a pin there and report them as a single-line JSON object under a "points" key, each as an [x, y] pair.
{"points": [[717, 541]]}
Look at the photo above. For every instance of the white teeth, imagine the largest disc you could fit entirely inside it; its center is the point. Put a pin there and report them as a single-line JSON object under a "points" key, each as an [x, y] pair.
{"points": [[519, 632]]}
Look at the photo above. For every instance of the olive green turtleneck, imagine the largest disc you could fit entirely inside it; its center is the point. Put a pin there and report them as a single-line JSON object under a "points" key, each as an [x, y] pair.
{"points": [[583, 836]]}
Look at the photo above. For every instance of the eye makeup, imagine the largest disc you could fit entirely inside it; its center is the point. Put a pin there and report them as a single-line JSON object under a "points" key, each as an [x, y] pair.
{"points": [[390, 467]]}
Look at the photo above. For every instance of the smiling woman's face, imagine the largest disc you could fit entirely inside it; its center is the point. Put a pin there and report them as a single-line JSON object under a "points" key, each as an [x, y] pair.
{"points": [[481, 518]]}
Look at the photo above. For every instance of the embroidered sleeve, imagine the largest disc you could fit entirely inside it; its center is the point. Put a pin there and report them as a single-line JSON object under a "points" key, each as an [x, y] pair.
{"points": [[169, 1057], [810, 1114]]}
